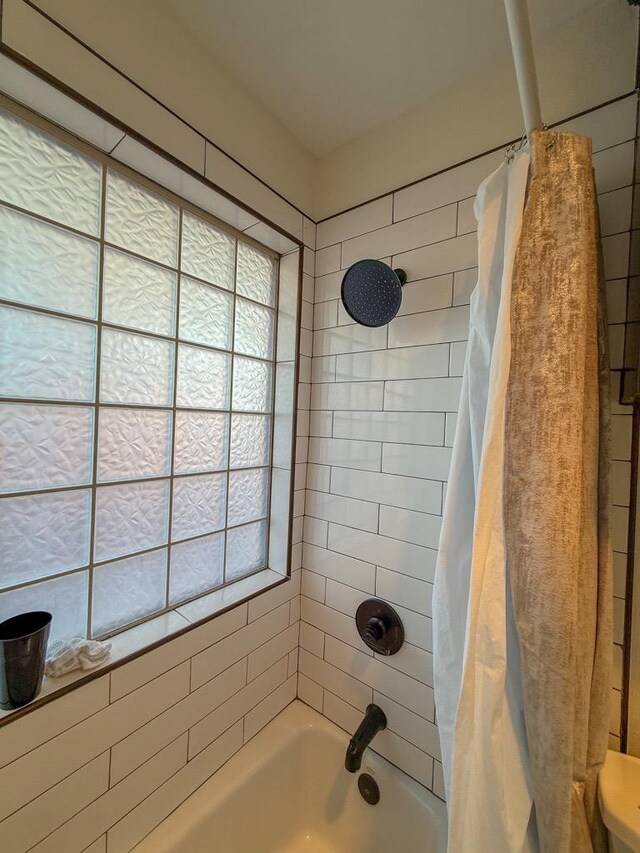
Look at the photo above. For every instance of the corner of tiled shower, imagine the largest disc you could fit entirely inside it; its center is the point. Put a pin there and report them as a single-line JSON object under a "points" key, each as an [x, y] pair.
{"points": [[381, 420]]}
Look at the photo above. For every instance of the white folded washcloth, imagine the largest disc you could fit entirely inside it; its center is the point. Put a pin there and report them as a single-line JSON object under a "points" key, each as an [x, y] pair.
{"points": [[66, 655]]}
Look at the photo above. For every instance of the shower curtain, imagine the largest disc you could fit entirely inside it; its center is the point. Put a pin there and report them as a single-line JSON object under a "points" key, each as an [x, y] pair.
{"points": [[522, 623], [478, 703], [556, 493]]}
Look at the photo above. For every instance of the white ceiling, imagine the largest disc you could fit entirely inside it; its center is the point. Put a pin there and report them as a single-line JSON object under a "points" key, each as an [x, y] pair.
{"points": [[332, 69]]}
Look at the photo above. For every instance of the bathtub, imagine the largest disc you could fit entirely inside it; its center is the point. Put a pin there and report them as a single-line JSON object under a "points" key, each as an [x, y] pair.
{"points": [[287, 791]]}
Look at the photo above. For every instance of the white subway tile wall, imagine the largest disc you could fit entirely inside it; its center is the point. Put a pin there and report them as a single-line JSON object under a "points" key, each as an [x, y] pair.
{"points": [[115, 756], [384, 404], [97, 768], [617, 216]]}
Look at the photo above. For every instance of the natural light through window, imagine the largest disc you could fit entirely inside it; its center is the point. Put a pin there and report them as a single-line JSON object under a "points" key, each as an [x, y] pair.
{"points": [[137, 358]]}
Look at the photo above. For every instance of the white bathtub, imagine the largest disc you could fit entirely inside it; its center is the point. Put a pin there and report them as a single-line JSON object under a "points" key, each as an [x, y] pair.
{"points": [[287, 791]]}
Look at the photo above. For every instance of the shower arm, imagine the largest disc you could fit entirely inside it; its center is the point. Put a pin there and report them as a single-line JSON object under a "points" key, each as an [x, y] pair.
{"points": [[519, 23]]}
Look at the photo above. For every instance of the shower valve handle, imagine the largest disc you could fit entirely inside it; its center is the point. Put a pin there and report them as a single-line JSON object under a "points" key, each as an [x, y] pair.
{"points": [[379, 626], [374, 630]]}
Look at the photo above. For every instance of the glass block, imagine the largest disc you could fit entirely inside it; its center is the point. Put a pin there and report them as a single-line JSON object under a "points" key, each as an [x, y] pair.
{"points": [[204, 377], [254, 330], [41, 535], [128, 590], [206, 314], [256, 275], [133, 443], [45, 176], [129, 518], [46, 357], [48, 267], [196, 567], [246, 549], [138, 294], [249, 441], [199, 505], [251, 385], [201, 442], [50, 446], [65, 598], [207, 252], [248, 495], [141, 221], [136, 369]]}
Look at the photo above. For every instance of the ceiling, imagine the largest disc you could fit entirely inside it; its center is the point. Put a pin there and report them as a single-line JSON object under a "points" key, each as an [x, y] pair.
{"points": [[332, 69]]}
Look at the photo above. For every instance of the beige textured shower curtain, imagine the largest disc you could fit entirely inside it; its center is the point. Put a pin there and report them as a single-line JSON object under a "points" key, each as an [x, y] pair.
{"points": [[556, 493]]}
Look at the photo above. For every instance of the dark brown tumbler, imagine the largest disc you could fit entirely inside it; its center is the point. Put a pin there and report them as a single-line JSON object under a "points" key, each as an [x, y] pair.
{"points": [[23, 648]]}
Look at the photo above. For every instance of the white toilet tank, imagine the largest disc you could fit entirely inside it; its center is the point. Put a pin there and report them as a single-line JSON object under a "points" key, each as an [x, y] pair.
{"points": [[619, 792]]}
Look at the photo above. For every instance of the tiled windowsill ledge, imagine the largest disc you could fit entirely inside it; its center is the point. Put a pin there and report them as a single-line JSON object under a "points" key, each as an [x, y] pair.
{"points": [[134, 642]]}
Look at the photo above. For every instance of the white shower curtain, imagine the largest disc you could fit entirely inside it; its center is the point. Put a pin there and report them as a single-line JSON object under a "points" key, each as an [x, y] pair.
{"points": [[477, 670]]}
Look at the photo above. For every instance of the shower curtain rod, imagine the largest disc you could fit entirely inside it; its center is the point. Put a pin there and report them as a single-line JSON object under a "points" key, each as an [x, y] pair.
{"points": [[519, 24]]}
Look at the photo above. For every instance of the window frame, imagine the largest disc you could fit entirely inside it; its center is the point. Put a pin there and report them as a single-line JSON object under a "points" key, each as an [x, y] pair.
{"points": [[110, 163]]}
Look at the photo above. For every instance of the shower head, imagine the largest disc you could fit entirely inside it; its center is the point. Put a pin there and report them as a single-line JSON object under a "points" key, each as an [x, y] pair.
{"points": [[372, 292]]}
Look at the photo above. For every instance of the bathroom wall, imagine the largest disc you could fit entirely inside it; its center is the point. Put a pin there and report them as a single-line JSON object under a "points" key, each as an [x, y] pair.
{"points": [[383, 410], [144, 40], [630, 391], [161, 108], [623, 318], [104, 764], [97, 768], [480, 112], [472, 115], [100, 766]]}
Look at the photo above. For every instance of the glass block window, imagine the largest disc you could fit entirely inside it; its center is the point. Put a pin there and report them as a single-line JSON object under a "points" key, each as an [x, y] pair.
{"points": [[137, 374]]}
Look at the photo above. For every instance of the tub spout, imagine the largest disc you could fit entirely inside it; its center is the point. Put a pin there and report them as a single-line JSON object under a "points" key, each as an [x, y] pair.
{"points": [[373, 722]]}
